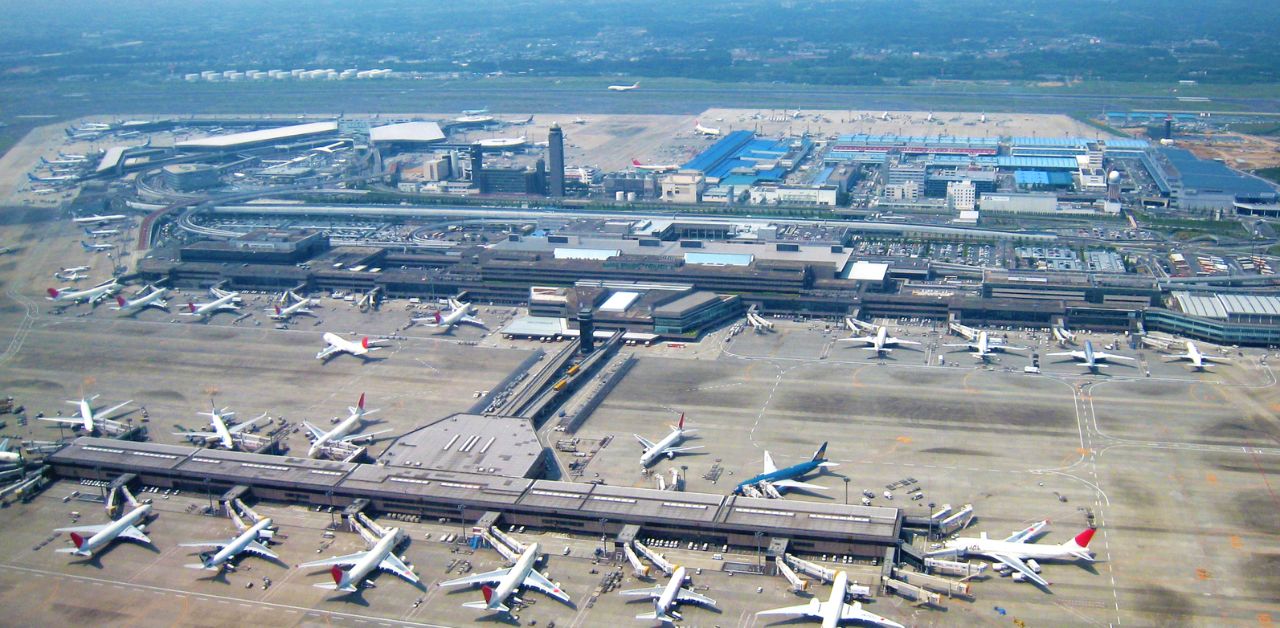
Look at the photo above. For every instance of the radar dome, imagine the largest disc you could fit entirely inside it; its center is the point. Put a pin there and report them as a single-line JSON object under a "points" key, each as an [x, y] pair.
{"points": [[1114, 177]]}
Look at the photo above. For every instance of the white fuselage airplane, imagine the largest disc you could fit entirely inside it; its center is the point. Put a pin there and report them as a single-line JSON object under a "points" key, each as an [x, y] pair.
{"points": [[361, 564], [666, 597], [102, 535], [984, 348], [155, 299], [8, 456], [62, 162], [834, 610], [341, 433], [1019, 552], [95, 248], [222, 434], [101, 233], [667, 446], [248, 542], [1091, 359], [624, 88], [458, 313], [522, 574], [56, 179], [705, 130], [92, 295], [98, 219], [1198, 360], [225, 303], [654, 167], [337, 345], [88, 419], [880, 342], [287, 312]]}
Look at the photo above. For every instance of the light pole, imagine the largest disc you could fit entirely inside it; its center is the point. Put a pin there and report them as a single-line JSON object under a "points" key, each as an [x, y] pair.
{"points": [[846, 491], [603, 522], [930, 521]]}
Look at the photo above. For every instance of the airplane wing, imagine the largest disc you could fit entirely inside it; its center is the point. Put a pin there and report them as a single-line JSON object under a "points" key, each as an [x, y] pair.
{"points": [[648, 444], [538, 581], [650, 592], [57, 419], [858, 339], [793, 484], [1022, 535], [108, 411], [966, 345], [397, 567], [1074, 354], [216, 545], [328, 351], [812, 609], [850, 612], [486, 577], [685, 595], [769, 467], [84, 529], [1109, 356], [1016, 563], [258, 549], [236, 429], [132, 532], [197, 434], [315, 431], [349, 559], [899, 341], [676, 450], [351, 437], [1005, 347]]}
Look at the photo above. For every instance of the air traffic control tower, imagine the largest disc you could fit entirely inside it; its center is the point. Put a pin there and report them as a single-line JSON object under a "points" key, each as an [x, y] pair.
{"points": [[555, 174]]}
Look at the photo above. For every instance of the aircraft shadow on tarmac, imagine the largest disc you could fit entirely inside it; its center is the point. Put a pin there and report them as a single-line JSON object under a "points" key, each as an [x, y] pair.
{"points": [[95, 561]]}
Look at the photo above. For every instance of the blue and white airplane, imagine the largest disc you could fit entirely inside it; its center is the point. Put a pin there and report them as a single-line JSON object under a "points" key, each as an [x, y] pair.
{"points": [[773, 481], [1091, 359]]}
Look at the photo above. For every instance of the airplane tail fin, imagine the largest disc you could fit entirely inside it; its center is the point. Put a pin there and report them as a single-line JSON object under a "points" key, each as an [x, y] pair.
{"points": [[488, 593], [1082, 540], [191, 306], [278, 310], [337, 574], [438, 317], [77, 539], [364, 342], [681, 421], [53, 293], [360, 403], [636, 162], [821, 453]]}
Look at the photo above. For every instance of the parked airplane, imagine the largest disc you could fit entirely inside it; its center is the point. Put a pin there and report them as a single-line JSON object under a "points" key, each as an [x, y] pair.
{"points": [[66, 178], [299, 307], [458, 313], [341, 433], [101, 233], [153, 298], [522, 574], [336, 345], [475, 112], [984, 347], [96, 248], [224, 303], [880, 342], [666, 597], [624, 88], [247, 542], [1019, 552], [126, 527], [705, 130], [654, 167], [1197, 359], [91, 295], [773, 481], [361, 564], [72, 156], [667, 446], [72, 276], [1091, 359], [70, 269], [223, 434], [10, 454], [834, 610], [88, 419], [62, 162], [98, 219]]}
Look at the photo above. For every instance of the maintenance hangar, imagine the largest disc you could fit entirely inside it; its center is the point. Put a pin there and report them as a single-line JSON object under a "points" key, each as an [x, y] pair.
{"points": [[807, 527]]}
